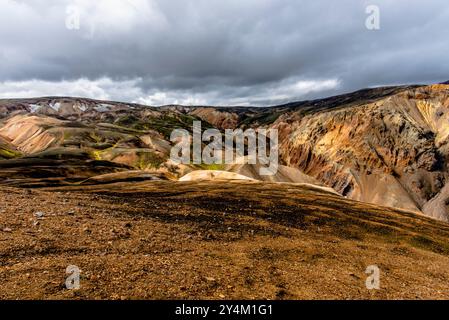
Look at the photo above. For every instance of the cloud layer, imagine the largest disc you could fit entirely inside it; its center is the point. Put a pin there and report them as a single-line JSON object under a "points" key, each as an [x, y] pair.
{"points": [[252, 52]]}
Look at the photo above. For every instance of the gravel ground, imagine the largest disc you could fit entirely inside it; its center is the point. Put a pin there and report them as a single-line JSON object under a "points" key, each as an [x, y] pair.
{"points": [[214, 240]]}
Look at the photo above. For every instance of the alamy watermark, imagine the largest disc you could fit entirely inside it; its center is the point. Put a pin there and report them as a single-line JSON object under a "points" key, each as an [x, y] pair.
{"points": [[372, 22], [230, 150], [72, 282], [73, 18], [73, 21], [373, 280]]}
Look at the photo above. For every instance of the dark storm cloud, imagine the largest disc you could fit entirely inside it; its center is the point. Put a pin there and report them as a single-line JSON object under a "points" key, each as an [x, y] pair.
{"points": [[226, 52]]}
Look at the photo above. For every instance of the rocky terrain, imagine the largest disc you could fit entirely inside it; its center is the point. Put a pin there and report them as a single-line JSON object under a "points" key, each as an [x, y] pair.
{"points": [[214, 240], [386, 146], [362, 180], [391, 151]]}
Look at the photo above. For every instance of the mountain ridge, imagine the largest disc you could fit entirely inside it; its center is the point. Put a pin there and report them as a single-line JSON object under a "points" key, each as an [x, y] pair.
{"points": [[384, 145], [219, 107]]}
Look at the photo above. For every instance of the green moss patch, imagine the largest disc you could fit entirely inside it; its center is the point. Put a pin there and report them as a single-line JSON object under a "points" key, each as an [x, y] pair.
{"points": [[8, 153]]}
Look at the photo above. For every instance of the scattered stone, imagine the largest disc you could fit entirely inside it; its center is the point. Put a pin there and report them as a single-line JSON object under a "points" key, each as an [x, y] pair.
{"points": [[39, 214], [87, 230], [210, 279], [7, 230]]}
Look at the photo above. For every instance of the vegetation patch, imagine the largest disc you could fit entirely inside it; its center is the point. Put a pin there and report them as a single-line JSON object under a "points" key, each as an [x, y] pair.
{"points": [[212, 166], [149, 160], [164, 124], [8, 153]]}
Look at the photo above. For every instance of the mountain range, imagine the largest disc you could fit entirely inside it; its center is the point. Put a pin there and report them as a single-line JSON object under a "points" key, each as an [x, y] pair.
{"points": [[362, 181], [386, 146]]}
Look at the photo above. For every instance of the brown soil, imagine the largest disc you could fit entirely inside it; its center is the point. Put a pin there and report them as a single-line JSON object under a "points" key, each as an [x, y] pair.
{"points": [[214, 240]]}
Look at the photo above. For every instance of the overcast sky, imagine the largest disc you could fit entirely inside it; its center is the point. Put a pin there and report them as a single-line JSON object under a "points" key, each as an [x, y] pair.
{"points": [[227, 52]]}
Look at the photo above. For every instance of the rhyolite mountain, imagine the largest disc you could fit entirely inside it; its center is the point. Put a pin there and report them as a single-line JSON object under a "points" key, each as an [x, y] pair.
{"points": [[388, 146]]}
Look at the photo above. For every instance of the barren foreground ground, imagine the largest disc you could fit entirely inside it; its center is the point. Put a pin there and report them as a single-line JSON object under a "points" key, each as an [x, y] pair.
{"points": [[214, 240]]}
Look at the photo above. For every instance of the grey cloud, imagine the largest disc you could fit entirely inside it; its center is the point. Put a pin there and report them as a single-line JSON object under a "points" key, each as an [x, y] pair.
{"points": [[224, 50]]}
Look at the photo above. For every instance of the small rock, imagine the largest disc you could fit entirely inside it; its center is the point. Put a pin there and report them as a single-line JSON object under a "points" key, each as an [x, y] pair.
{"points": [[39, 214], [222, 296], [87, 230], [7, 230], [210, 279]]}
